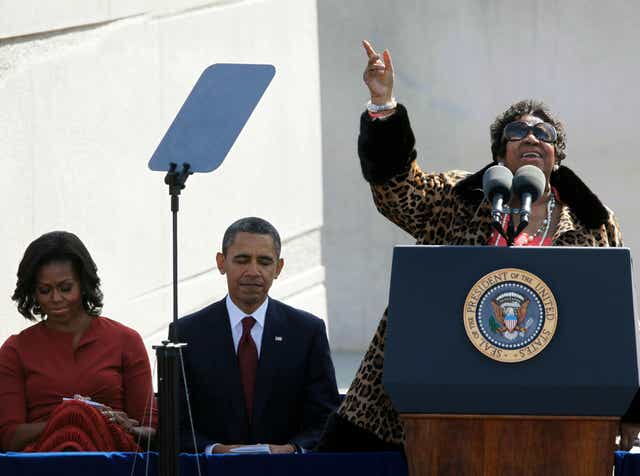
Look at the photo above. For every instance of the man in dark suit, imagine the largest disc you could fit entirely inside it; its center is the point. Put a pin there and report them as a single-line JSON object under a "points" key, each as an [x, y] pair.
{"points": [[257, 370]]}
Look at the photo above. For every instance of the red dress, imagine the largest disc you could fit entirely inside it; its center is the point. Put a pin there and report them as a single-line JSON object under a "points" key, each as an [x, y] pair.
{"points": [[39, 367]]}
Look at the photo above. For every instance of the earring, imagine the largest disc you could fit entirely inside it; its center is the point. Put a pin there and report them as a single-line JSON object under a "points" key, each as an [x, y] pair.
{"points": [[556, 166]]}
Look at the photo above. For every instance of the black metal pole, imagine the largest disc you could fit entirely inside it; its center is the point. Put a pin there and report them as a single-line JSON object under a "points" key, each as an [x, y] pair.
{"points": [[511, 232], [175, 206], [168, 354], [497, 225]]}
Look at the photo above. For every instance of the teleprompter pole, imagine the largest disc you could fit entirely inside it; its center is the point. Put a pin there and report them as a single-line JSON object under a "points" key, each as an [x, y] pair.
{"points": [[176, 182], [168, 354]]}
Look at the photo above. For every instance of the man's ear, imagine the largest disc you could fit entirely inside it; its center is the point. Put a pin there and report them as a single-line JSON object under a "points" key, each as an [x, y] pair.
{"points": [[279, 267], [220, 262]]}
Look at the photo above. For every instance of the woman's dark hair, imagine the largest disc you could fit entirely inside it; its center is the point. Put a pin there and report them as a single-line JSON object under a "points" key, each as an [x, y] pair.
{"points": [[522, 108], [57, 246]]}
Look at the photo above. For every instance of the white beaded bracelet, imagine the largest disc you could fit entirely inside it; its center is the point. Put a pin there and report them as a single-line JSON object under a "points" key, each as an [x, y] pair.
{"points": [[387, 106]]}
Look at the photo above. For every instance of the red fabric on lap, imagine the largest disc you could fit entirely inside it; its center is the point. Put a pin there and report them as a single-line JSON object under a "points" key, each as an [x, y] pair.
{"points": [[76, 426]]}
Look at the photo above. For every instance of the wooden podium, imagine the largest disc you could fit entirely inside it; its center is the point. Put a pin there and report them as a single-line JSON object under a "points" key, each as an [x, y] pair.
{"points": [[556, 412], [479, 445]]}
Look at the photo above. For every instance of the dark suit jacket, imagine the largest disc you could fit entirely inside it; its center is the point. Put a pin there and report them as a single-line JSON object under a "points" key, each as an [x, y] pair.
{"points": [[295, 382]]}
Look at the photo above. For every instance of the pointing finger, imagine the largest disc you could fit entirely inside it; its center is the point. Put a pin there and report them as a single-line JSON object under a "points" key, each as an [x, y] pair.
{"points": [[369, 49]]}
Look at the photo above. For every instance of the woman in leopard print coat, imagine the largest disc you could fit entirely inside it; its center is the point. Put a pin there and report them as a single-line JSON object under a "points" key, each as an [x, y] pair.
{"points": [[447, 209]]}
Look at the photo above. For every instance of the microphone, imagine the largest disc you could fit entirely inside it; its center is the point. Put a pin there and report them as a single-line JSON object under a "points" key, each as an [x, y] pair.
{"points": [[496, 184], [529, 184]]}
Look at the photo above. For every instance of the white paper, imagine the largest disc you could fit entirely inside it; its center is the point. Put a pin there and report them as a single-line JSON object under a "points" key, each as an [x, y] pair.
{"points": [[88, 402], [251, 450]]}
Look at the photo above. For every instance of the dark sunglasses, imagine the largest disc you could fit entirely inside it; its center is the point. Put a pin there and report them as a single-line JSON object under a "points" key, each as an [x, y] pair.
{"points": [[518, 130]]}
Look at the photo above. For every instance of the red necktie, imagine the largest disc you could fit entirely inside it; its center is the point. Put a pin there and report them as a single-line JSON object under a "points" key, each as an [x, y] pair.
{"points": [[248, 363]]}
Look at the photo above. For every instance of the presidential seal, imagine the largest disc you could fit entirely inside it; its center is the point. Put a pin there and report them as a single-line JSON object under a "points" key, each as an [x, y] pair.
{"points": [[510, 315]]}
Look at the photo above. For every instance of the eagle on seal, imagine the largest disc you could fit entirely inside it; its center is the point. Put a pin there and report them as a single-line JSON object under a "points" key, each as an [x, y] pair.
{"points": [[510, 317]]}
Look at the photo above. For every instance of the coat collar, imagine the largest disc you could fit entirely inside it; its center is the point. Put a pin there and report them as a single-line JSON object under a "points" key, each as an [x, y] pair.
{"points": [[572, 191]]}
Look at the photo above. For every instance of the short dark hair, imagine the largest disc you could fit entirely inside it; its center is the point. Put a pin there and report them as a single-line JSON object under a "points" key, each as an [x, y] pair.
{"points": [[253, 225], [57, 246], [522, 108]]}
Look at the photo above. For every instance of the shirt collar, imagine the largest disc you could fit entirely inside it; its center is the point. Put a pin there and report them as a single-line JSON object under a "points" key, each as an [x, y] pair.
{"points": [[236, 314]]}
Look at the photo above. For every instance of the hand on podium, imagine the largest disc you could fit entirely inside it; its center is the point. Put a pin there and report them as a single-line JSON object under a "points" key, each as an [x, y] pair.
{"points": [[282, 449], [628, 434]]}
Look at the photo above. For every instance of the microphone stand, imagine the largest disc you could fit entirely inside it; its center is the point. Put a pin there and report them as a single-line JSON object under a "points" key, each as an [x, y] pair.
{"points": [[524, 212], [511, 234], [496, 223], [168, 353]]}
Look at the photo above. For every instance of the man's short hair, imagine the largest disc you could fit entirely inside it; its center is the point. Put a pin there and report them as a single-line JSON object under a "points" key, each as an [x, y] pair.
{"points": [[254, 225], [531, 107]]}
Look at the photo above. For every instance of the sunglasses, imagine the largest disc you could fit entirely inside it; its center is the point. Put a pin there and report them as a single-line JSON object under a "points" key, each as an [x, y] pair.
{"points": [[518, 130]]}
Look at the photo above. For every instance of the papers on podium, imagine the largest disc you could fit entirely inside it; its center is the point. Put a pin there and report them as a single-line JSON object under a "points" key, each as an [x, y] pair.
{"points": [[251, 450]]}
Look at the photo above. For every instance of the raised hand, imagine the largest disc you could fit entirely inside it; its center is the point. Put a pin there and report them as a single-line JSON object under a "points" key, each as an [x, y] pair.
{"points": [[378, 75]]}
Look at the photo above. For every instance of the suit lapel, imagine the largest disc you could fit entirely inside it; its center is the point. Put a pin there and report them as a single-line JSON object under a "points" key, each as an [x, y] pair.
{"points": [[273, 338]]}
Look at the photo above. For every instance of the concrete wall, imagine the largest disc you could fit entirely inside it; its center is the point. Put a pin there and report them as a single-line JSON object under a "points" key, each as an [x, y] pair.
{"points": [[458, 65], [88, 88]]}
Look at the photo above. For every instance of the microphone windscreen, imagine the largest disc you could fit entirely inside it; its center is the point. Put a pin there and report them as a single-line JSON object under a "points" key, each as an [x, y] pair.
{"points": [[497, 179], [529, 179]]}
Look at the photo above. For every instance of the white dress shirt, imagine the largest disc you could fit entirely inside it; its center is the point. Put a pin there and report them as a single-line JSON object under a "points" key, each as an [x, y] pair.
{"points": [[235, 319]]}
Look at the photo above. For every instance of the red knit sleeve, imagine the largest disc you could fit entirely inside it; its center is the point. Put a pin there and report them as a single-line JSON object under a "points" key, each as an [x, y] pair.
{"points": [[136, 380], [13, 410]]}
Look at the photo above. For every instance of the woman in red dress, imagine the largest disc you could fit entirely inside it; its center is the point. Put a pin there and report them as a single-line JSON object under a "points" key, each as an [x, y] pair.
{"points": [[74, 380]]}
